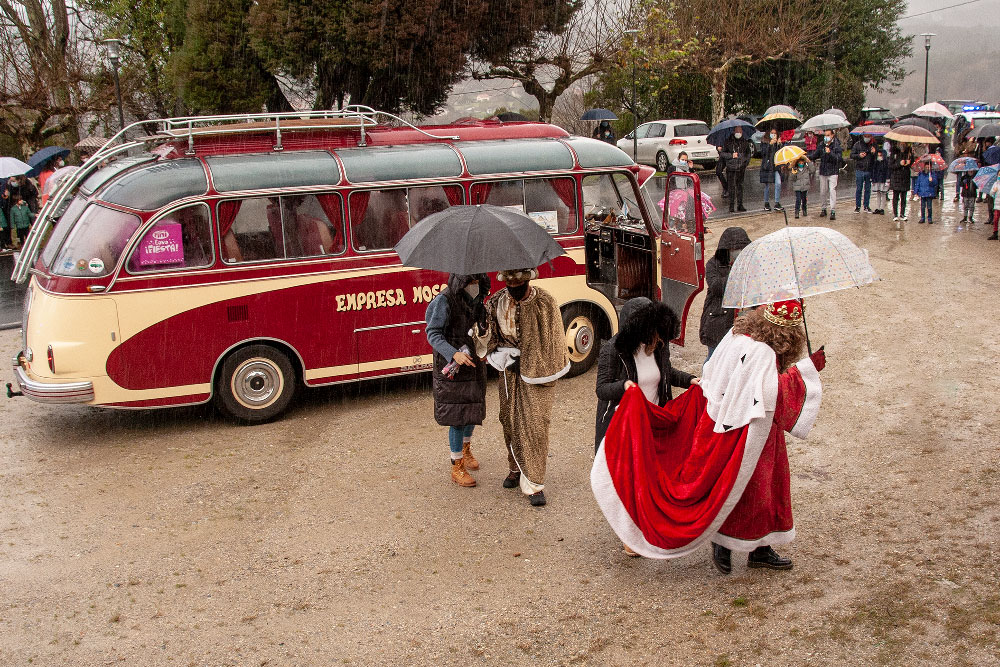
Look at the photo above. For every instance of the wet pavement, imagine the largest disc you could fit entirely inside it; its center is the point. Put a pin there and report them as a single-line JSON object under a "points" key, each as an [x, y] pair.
{"points": [[335, 534]]}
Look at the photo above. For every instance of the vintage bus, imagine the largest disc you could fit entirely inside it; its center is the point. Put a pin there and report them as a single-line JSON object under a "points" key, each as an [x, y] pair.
{"points": [[235, 259]]}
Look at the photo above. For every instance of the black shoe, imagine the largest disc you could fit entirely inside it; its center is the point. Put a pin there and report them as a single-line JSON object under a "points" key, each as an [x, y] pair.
{"points": [[538, 500], [796, 215], [822, 213], [778, 206], [857, 209], [993, 237], [804, 212], [766, 557], [963, 220], [833, 216], [721, 558], [740, 208], [867, 210], [512, 480], [767, 206], [732, 210]]}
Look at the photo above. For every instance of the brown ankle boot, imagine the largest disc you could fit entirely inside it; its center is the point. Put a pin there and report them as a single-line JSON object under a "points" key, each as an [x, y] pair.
{"points": [[470, 461], [459, 474]]}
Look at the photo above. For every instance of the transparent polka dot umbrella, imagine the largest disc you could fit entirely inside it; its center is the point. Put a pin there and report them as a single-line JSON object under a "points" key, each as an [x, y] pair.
{"points": [[795, 263]]}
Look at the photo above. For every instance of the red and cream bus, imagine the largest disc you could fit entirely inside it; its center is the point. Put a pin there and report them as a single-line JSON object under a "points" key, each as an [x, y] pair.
{"points": [[236, 258]]}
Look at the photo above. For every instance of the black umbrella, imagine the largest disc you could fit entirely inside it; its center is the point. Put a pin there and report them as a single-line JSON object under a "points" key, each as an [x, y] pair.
{"points": [[477, 239], [511, 117], [984, 131], [598, 114], [919, 122]]}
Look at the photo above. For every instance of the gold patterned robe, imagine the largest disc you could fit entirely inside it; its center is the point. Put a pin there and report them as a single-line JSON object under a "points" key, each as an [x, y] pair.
{"points": [[534, 327]]}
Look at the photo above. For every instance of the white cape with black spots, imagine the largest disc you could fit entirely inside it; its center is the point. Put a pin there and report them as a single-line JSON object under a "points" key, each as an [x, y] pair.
{"points": [[740, 382]]}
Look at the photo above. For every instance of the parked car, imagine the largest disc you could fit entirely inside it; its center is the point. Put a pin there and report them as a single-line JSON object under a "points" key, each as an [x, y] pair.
{"points": [[757, 137], [661, 141], [965, 121], [957, 106], [877, 116]]}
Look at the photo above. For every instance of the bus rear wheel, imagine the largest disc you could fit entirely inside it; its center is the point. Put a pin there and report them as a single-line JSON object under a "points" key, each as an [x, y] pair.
{"points": [[583, 342], [255, 384]]}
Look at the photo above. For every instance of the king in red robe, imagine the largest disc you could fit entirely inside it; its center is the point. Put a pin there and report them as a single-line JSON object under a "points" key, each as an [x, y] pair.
{"points": [[711, 465]]}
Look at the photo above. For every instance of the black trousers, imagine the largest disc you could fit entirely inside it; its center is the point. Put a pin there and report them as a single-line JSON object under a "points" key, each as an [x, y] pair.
{"points": [[735, 181], [899, 202], [720, 171], [800, 198]]}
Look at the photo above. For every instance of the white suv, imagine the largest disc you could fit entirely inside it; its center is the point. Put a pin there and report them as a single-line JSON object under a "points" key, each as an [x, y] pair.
{"points": [[661, 141]]}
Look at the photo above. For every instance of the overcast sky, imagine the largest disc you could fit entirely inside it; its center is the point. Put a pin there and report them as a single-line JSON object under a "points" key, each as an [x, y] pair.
{"points": [[963, 56]]}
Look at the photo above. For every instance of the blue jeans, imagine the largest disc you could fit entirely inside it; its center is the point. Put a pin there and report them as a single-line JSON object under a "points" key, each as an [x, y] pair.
{"points": [[456, 437], [927, 208], [777, 189], [863, 181]]}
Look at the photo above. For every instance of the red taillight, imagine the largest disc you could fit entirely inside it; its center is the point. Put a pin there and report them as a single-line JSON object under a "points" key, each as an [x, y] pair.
{"points": [[678, 142], [52, 360]]}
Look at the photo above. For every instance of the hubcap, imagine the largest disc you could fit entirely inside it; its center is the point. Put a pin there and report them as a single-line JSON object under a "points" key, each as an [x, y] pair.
{"points": [[579, 338], [257, 383], [661, 162]]}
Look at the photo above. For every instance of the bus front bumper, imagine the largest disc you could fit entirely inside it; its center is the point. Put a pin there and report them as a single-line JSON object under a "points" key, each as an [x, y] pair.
{"points": [[45, 392]]}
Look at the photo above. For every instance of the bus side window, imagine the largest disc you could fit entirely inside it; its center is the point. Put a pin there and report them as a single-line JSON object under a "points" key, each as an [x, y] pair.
{"points": [[380, 218], [313, 225], [181, 239], [551, 202], [252, 223]]}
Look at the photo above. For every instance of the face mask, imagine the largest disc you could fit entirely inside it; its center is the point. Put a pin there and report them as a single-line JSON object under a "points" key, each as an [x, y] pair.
{"points": [[682, 163], [879, 157], [518, 292], [801, 165], [827, 140], [774, 136], [868, 140], [472, 289], [738, 135], [60, 163]]}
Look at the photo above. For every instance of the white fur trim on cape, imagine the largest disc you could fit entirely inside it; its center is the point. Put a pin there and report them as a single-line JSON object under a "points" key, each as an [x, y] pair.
{"points": [[549, 378], [630, 534], [740, 382], [814, 396]]}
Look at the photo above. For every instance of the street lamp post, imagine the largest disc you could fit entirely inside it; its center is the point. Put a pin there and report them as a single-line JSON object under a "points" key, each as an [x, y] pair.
{"points": [[114, 54], [927, 58], [635, 111]]}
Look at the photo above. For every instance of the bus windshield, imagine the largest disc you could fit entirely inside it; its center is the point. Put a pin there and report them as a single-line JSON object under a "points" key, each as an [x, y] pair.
{"points": [[61, 229], [95, 243]]}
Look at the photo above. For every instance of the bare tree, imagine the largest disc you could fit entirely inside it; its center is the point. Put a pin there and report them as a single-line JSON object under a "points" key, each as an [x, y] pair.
{"points": [[726, 34], [554, 62], [43, 76]]}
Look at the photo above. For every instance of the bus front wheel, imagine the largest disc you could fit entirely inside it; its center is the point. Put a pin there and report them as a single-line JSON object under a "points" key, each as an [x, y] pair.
{"points": [[583, 341], [255, 384]]}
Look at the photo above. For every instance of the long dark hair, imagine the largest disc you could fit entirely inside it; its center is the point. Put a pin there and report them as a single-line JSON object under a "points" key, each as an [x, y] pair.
{"points": [[654, 321]]}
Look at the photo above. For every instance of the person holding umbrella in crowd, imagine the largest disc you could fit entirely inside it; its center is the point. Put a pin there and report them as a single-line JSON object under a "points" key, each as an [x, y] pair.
{"points": [[829, 157], [863, 154], [718, 136], [926, 188], [995, 194], [880, 180], [769, 174], [605, 132], [459, 378], [900, 163], [736, 153]]}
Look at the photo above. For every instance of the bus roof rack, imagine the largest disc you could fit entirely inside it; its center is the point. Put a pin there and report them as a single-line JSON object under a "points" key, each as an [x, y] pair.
{"points": [[145, 134]]}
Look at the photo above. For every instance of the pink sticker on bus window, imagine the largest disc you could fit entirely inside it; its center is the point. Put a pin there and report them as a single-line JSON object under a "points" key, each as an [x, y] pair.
{"points": [[162, 245]]}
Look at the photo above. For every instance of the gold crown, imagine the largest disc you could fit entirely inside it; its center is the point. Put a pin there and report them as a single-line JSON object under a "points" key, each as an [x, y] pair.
{"points": [[784, 313]]}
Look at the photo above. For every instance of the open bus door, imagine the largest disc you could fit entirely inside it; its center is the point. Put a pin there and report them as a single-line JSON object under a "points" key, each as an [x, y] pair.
{"points": [[682, 245]]}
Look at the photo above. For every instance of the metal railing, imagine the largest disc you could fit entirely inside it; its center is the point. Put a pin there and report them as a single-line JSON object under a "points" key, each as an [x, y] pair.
{"points": [[147, 134]]}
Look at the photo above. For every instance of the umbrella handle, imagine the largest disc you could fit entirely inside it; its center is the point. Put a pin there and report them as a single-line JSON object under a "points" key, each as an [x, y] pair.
{"points": [[805, 326]]}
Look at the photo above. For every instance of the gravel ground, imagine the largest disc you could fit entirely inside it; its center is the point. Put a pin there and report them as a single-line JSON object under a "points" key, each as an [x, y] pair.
{"points": [[336, 536]]}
